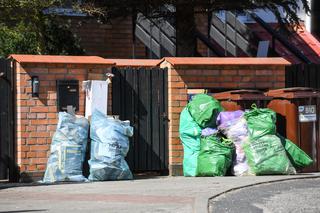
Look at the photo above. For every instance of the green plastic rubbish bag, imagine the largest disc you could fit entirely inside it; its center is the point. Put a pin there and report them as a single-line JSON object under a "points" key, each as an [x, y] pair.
{"points": [[297, 156], [204, 109], [215, 156], [266, 156], [260, 121], [190, 136]]}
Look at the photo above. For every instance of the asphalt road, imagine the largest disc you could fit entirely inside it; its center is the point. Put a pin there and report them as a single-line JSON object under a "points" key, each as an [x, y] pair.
{"points": [[294, 196]]}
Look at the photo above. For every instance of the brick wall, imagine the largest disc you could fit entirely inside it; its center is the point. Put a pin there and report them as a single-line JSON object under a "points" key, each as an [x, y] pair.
{"points": [[37, 117], [184, 74], [111, 40]]}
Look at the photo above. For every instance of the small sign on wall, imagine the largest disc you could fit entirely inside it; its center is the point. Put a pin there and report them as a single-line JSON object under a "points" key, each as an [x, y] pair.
{"points": [[307, 113]]}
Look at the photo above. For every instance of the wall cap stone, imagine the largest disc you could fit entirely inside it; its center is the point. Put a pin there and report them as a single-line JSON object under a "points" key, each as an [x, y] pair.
{"points": [[61, 59], [227, 61], [137, 62]]}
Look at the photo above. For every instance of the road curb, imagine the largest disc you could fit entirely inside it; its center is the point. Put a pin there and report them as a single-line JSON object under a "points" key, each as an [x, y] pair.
{"points": [[256, 184]]}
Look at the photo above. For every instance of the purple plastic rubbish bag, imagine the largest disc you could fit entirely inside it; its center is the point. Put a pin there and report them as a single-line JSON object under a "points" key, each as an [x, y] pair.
{"points": [[237, 131], [227, 116]]}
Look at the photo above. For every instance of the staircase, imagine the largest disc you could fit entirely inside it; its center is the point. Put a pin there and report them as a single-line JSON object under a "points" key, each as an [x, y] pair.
{"points": [[160, 37], [233, 36]]}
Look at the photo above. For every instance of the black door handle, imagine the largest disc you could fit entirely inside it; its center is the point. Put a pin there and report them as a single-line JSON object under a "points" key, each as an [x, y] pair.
{"points": [[165, 117]]}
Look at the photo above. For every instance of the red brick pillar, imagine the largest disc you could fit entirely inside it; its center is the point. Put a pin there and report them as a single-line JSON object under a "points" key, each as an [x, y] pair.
{"points": [[177, 99]]}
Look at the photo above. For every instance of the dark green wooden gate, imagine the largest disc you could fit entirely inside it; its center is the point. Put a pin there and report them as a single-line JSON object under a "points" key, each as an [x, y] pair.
{"points": [[7, 156], [141, 96]]}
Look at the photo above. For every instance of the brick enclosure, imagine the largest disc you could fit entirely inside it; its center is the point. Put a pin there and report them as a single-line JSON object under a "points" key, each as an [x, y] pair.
{"points": [[36, 117], [213, 73]]}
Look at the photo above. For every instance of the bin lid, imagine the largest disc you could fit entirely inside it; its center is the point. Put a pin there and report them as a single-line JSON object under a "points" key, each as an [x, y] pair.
{"points": [[243, 94], [294, 92]]}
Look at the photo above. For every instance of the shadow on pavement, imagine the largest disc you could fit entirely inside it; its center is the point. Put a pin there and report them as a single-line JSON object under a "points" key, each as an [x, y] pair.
{"points": [[137, 176], [29, 210], [11, 185]]}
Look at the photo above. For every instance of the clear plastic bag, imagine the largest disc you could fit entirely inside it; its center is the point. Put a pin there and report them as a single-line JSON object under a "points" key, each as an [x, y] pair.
{"points": [[68, 149], [109, 147], [237, 131], [208, 131]]}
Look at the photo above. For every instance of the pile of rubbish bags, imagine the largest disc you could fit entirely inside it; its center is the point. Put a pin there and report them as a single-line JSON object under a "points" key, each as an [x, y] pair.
{"points": [[217, 142], [109, 147]]}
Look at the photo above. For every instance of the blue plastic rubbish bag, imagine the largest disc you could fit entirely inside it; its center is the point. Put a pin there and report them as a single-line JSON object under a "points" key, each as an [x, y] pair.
{"points": [[68, 149], [109, 146]]}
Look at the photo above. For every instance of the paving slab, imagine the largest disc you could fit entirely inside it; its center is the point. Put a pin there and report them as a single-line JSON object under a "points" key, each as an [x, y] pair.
{"points": [[157, 194]]}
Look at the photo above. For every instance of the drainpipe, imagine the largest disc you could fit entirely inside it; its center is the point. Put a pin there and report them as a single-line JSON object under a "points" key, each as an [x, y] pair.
{"points": [[307, 21], [315, 17]]}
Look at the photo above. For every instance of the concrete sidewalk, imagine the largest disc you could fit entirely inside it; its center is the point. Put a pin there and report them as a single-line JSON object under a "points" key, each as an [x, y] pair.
{"points": [[162, 194]]}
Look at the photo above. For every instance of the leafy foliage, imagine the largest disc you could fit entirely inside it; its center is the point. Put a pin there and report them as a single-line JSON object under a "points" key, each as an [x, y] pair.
{"points": [[25, 29], [59, 39], [18, 39]]}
